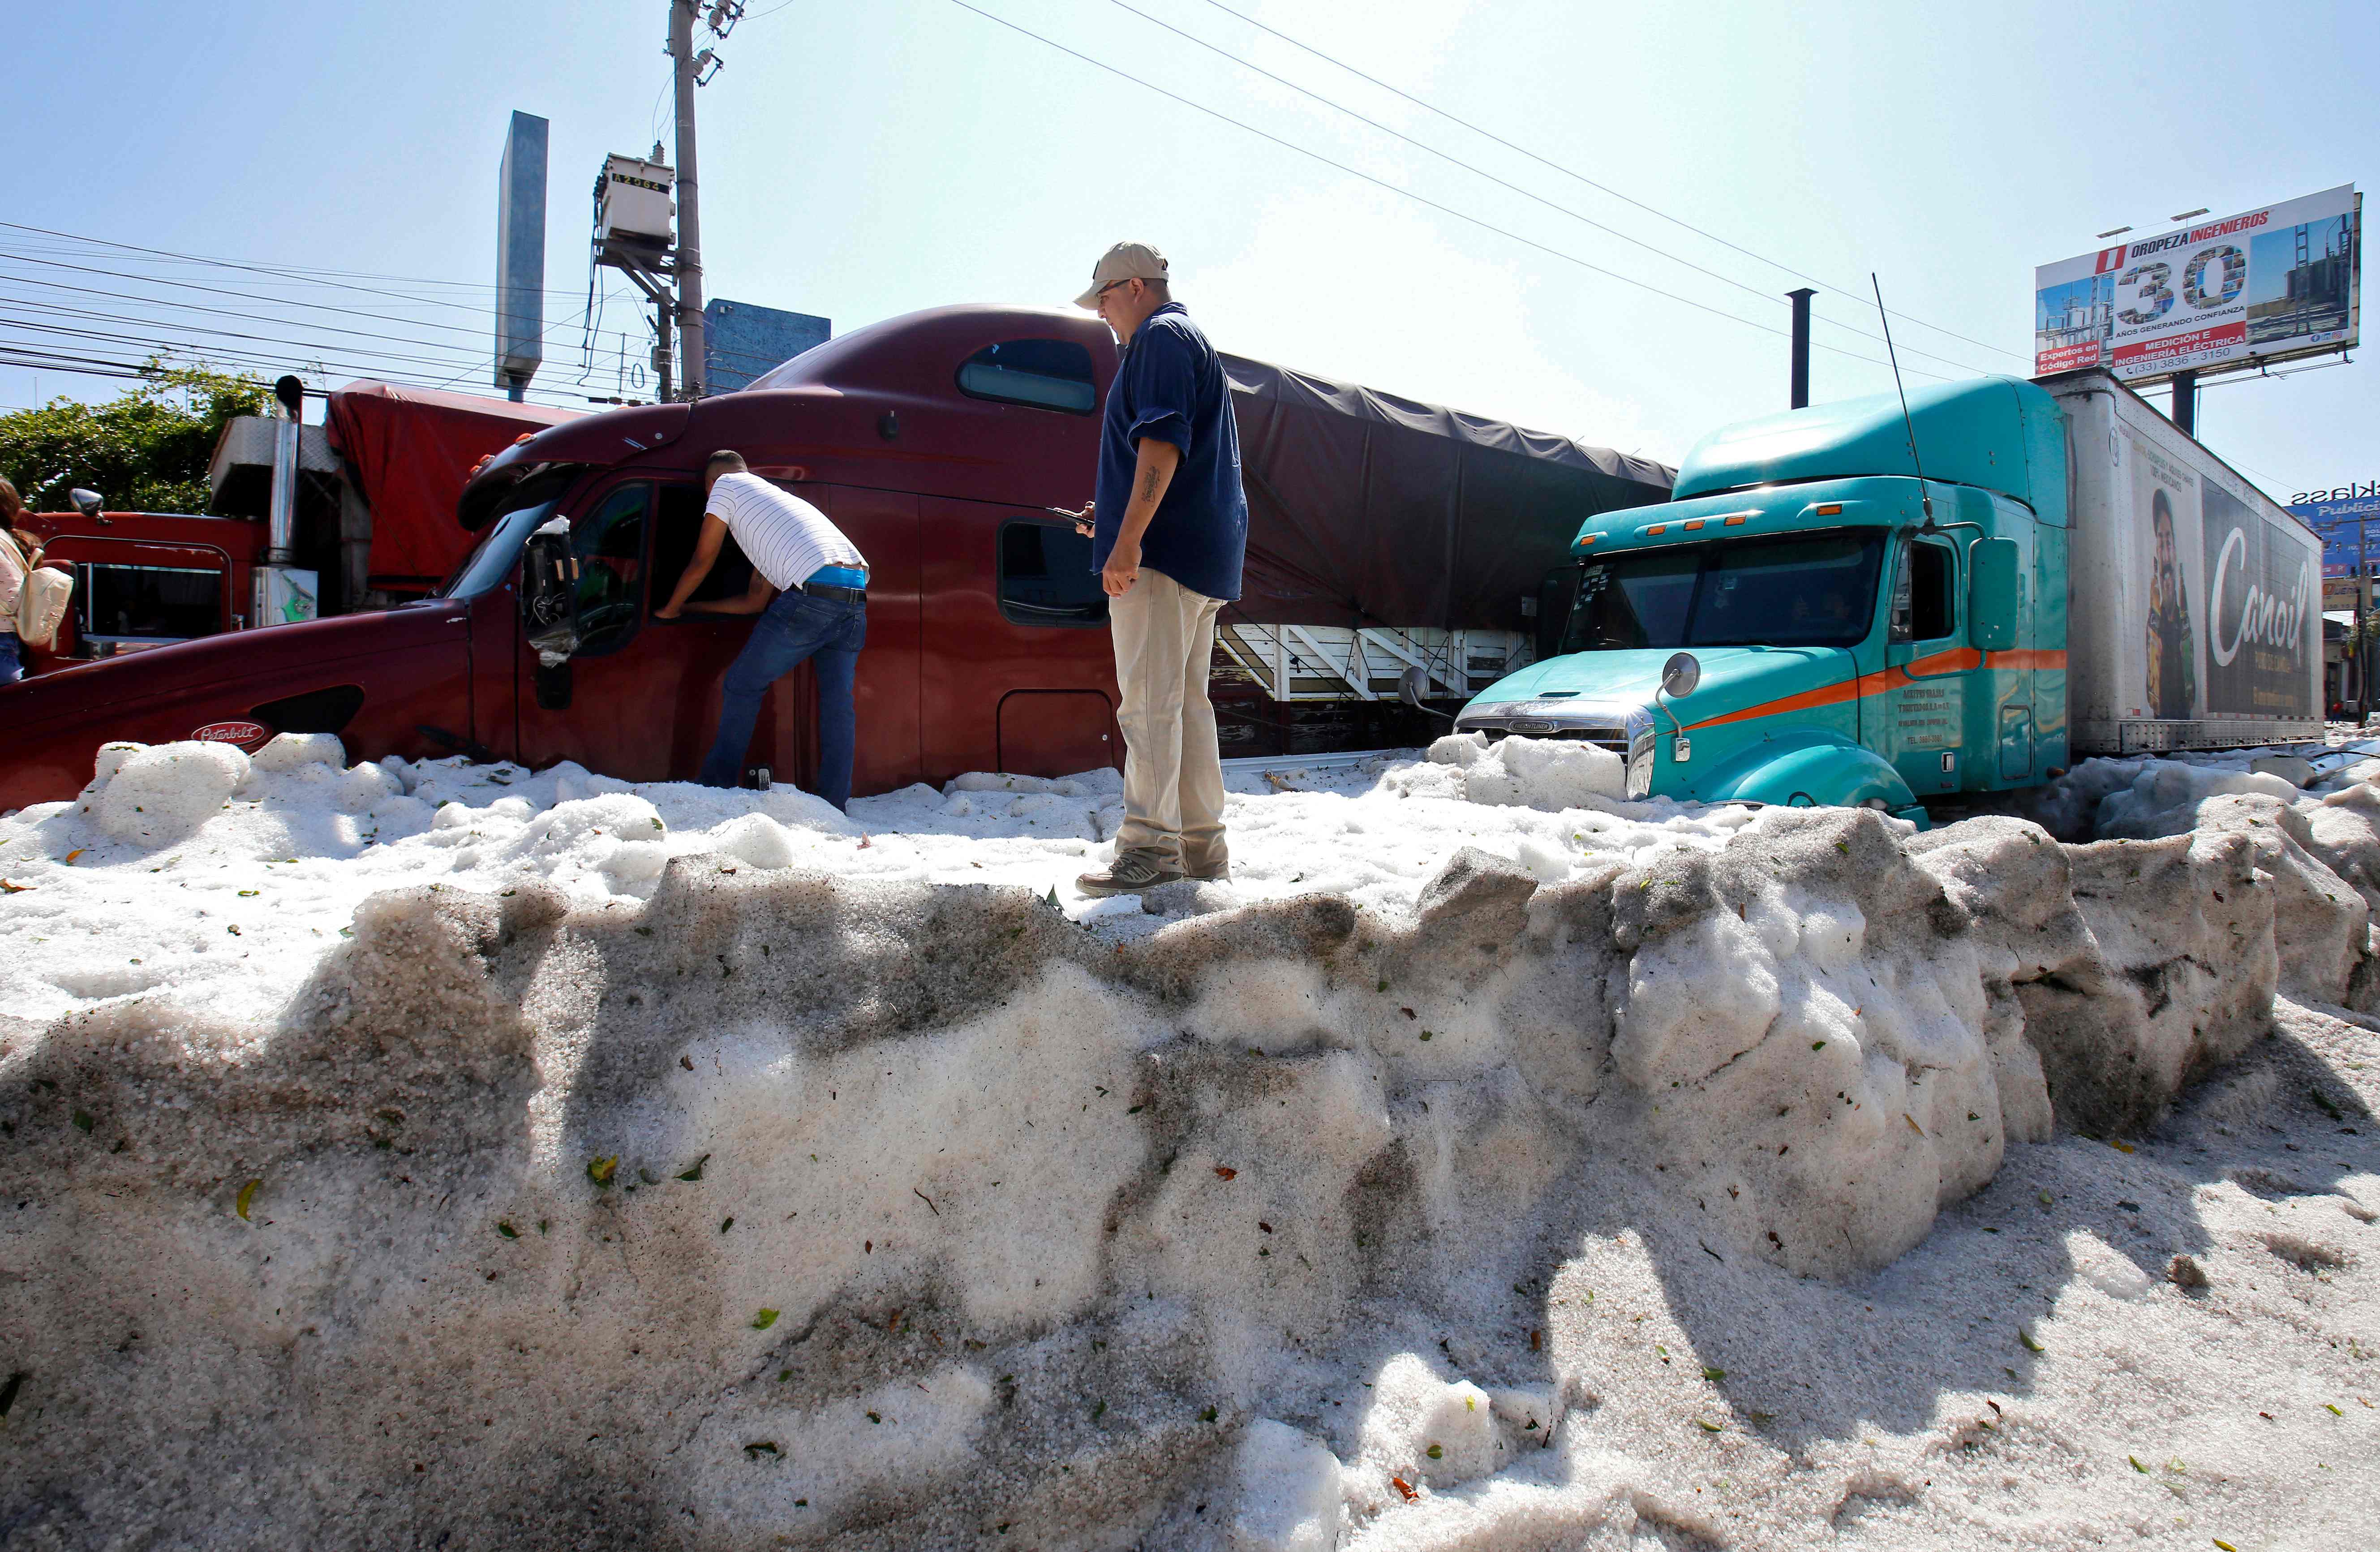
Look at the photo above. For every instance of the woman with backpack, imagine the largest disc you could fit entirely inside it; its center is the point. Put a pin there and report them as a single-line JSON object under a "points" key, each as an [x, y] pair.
{"points": [[20, 554]]}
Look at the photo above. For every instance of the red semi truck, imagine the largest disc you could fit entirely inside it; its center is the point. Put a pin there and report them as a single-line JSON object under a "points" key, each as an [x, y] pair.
{"points": [[1380, 529]]}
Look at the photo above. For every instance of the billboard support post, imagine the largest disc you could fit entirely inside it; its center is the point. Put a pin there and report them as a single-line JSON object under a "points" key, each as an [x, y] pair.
{"points": [[2185, 403], [2363, 630]]}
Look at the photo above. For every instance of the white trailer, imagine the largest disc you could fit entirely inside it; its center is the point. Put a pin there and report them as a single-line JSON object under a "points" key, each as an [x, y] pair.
{"points": [[2194, 600]]}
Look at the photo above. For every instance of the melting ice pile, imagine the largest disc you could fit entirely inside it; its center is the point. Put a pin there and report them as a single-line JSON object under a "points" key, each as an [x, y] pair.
{"points": [[408, 1144]]}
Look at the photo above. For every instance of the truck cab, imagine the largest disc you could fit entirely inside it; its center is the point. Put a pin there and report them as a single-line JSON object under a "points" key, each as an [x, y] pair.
{"points": [[1860, 632]]}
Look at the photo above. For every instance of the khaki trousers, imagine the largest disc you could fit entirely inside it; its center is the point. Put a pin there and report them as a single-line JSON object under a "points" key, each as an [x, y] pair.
{"points": [[1172, 767]]}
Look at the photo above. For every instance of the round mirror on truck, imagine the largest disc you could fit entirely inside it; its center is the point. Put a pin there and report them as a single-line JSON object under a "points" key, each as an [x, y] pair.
{"points": [[1680, 674], [88, 503], [1413, 688]]}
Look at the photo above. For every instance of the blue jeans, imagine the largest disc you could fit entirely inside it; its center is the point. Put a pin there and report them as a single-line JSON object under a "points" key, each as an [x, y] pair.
{"points": [[794, 628], [12, 667]]}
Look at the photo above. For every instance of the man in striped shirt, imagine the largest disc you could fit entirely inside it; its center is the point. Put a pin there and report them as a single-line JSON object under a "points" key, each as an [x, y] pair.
{"points": [[820, 612]]}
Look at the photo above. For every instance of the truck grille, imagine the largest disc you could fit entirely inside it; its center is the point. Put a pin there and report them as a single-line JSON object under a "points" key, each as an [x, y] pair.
{"points": [[1611, 736]]}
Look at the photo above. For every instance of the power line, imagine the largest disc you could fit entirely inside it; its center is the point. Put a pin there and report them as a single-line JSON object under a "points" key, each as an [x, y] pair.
{"points": [[278, 302], [71, 331], [294, 276], [34, 358], [1602, 188], [1406, 193], [35, 355], [301, 273], [244, 296], [269, 352], [451, 349], [558, 325], [1504, 183]]}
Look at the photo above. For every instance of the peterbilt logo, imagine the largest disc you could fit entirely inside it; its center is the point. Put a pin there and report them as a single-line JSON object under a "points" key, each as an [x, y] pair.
{"points": [[244, 735]]}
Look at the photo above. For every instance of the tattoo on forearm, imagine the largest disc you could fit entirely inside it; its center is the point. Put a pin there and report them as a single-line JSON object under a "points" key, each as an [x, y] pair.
{"points": [[1148, 482]]}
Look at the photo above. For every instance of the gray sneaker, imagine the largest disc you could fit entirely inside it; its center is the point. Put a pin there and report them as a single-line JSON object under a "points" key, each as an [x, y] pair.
{"points": [[1132, 872]]}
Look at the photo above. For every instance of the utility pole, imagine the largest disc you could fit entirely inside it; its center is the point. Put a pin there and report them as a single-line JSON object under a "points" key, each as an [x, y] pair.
{"points": [[639, 231], [690, 74]]}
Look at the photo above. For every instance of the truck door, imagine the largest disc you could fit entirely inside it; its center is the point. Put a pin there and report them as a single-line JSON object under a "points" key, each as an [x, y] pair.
{"points": [[2011, 676], [1019, 670], [611, 707], [1923, 711]]}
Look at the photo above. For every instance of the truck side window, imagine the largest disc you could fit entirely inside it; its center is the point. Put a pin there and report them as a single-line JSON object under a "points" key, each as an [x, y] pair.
{"points": [[146, 603], [675, 528], [1923, 599], [1046, 576], [610, 544], [1042, 373]]}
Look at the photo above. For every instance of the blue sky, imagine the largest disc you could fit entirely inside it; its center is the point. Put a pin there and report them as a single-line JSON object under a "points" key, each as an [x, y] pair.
{"points": [[862, 160]]}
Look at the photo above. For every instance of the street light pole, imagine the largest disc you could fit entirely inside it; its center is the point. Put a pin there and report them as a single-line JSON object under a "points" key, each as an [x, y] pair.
{"points": [[689, 213]]}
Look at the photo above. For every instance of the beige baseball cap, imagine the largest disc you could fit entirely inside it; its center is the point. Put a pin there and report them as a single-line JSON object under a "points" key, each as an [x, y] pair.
{"points": [[1125, 260]]}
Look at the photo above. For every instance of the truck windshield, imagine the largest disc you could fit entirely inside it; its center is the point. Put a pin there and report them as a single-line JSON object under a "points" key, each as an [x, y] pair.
{"points": [[1806, 591], [490, 561]]}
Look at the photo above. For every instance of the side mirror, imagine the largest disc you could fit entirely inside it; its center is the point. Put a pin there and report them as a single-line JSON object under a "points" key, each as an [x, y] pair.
{"points": [[88, 503], [1412, 685], [1680, 674], [1993, 594], [550, 593]]}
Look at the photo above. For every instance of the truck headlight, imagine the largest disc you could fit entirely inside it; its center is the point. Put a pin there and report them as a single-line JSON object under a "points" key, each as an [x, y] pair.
{"points": [[1639, 728]]}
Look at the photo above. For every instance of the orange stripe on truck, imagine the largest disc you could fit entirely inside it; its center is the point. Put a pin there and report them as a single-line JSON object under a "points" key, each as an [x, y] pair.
{"points": [[1863, 685], [1831, 695]]}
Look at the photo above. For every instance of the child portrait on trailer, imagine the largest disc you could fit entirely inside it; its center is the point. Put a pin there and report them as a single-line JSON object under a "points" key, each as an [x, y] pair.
{"points": [[2173, 676]]}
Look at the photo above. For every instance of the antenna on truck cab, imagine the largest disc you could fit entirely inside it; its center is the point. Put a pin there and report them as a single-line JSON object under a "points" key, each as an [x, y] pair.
{"points": [[1925, 497]]}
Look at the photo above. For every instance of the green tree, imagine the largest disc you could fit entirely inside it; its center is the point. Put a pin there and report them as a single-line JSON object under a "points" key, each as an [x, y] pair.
{"points": [[146, 451]]}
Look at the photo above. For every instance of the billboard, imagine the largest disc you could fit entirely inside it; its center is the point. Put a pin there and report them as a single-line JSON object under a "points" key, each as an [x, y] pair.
{"points": [[2264, 285], [2335, 514]]}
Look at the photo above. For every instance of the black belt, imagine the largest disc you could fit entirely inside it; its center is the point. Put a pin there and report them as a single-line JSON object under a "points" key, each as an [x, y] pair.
{"points": [[841, 595]]}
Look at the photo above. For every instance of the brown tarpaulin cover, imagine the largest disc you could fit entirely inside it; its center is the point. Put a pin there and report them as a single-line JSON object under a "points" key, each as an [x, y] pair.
{"points": [[1368, 509], [410, 451]]}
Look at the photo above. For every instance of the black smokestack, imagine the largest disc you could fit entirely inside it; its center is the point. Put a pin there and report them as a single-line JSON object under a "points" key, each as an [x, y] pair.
{"points": [[1801, 346]]}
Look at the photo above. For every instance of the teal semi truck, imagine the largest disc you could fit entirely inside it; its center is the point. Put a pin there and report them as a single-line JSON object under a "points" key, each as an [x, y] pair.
{"points": [[1859, 604]]}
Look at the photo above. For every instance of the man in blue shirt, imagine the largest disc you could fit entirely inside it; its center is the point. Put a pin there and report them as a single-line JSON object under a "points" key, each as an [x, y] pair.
{"points": [[1169, 529]]}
